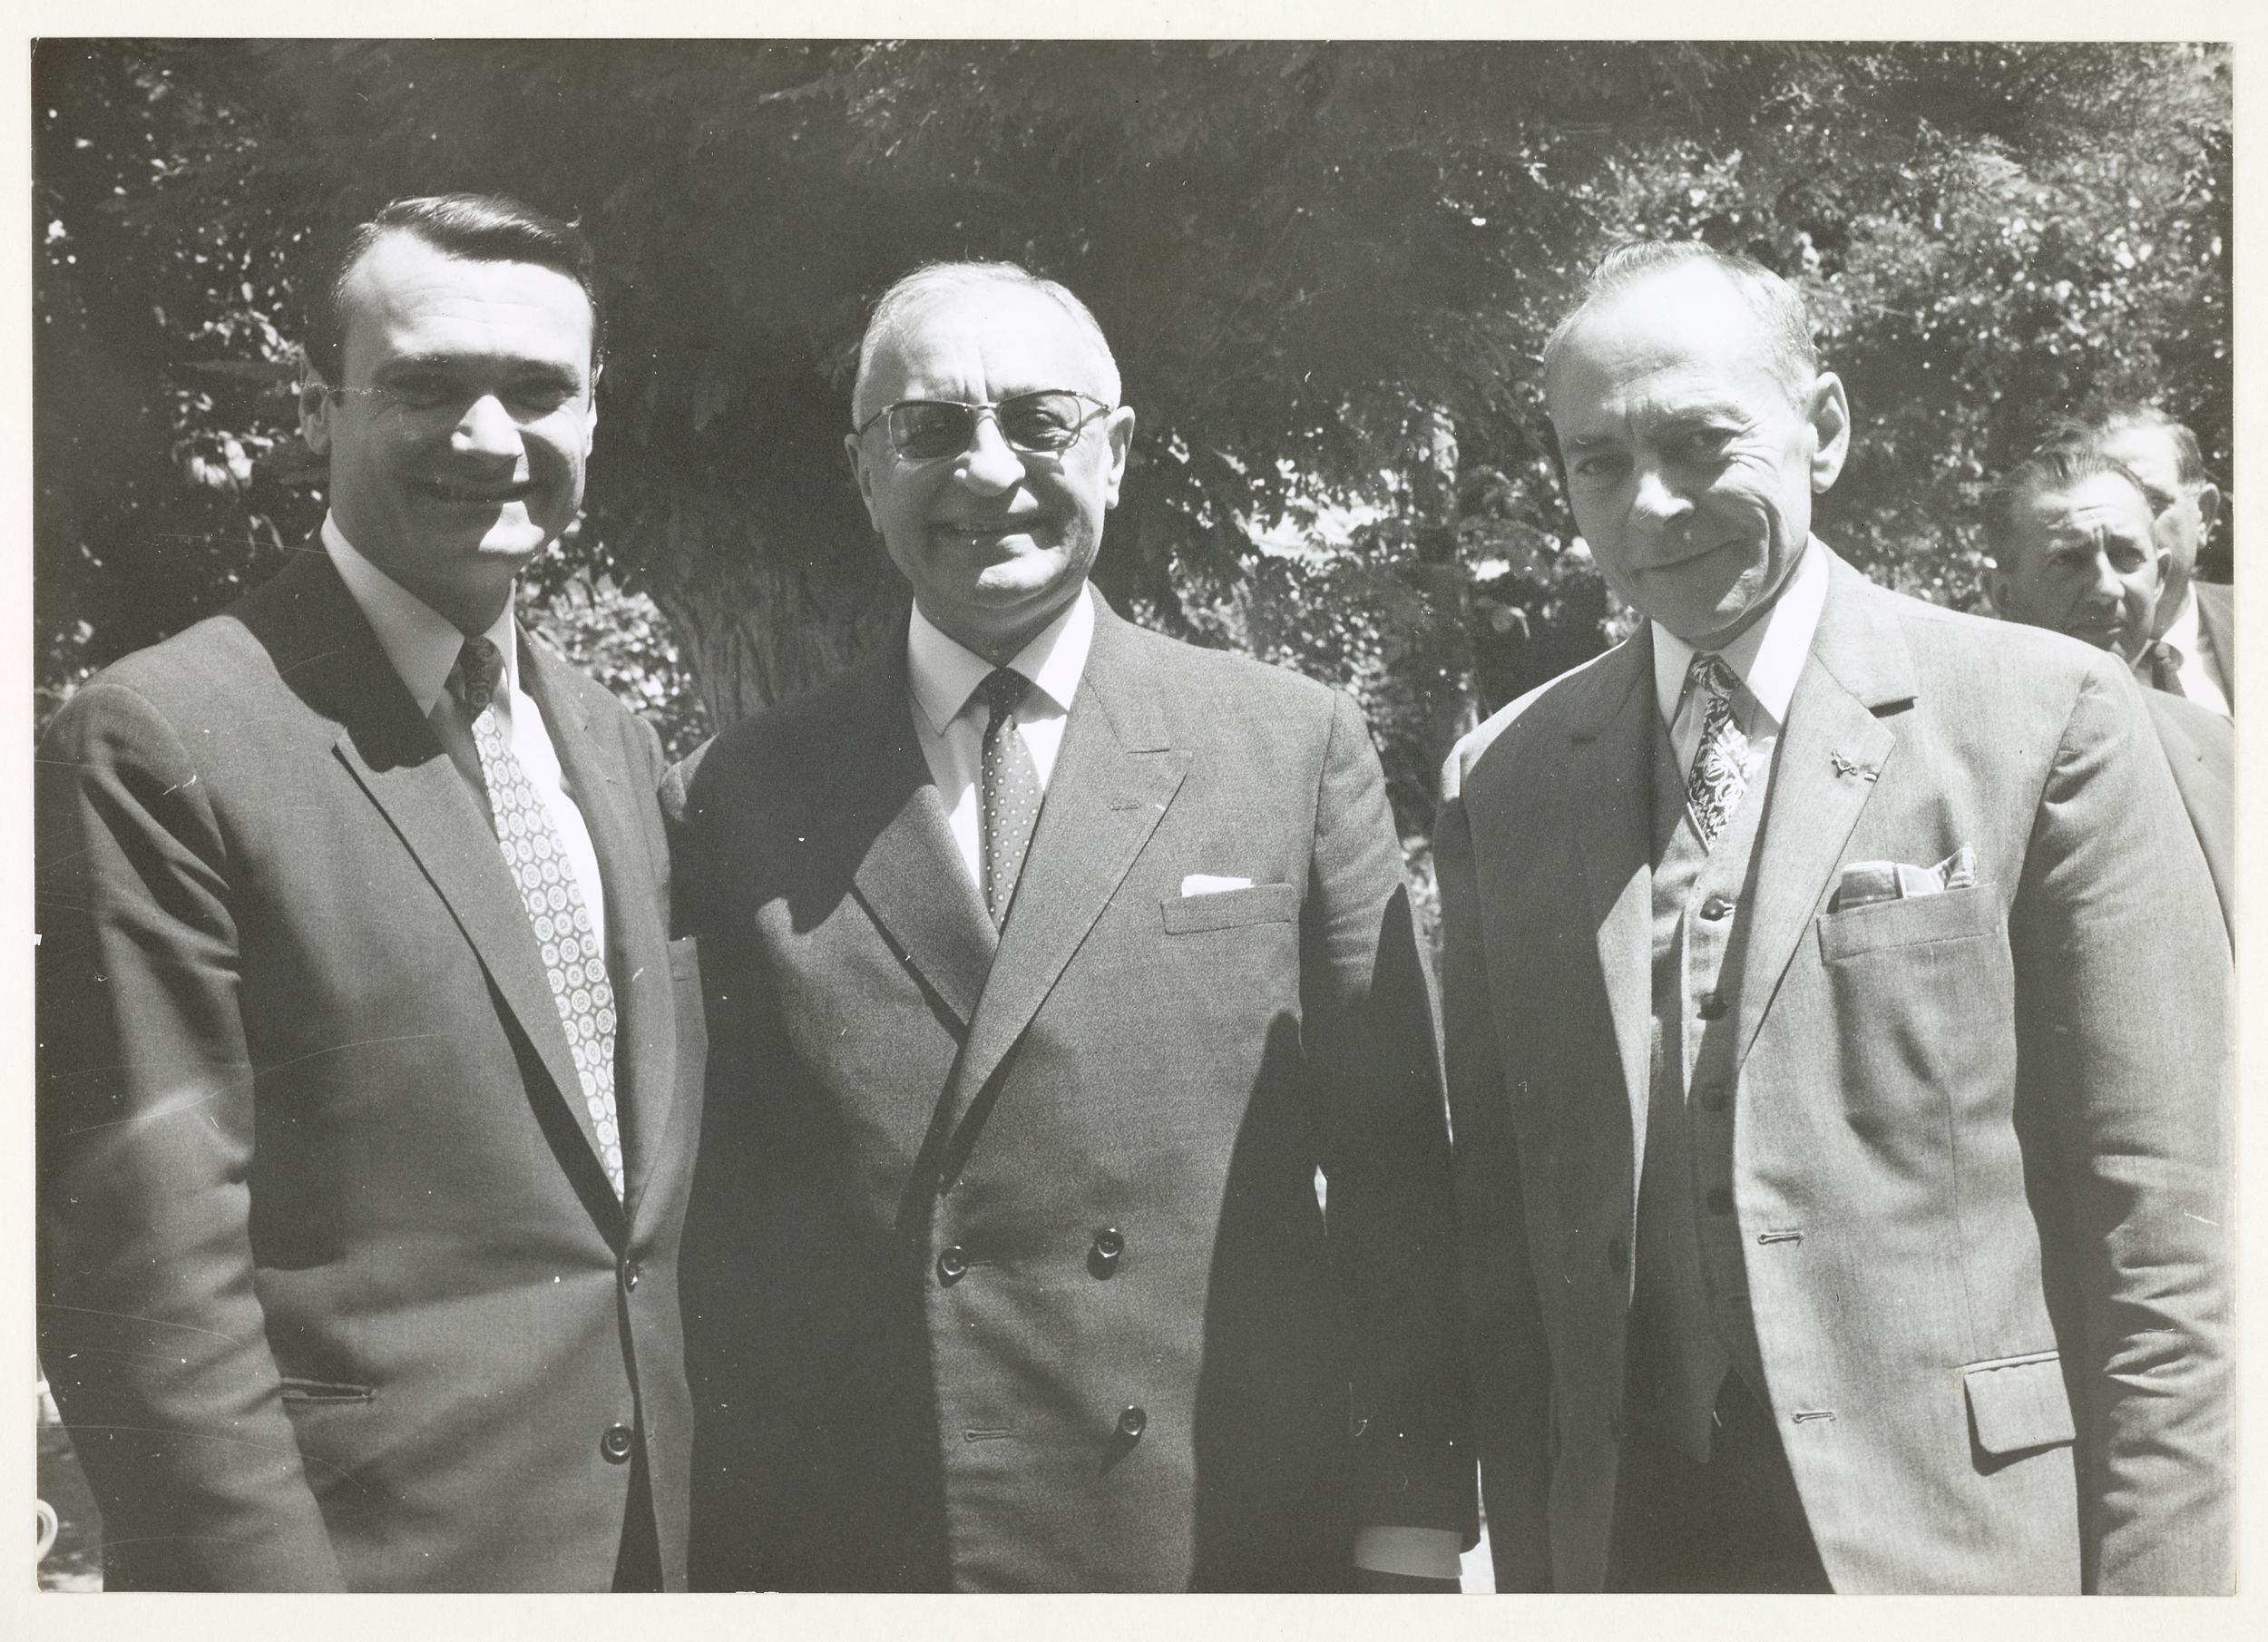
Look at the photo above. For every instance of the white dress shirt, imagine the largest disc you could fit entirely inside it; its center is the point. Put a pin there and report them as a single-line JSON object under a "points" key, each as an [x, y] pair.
{"points": [[2188, 647], [422, 645], [1769, 657], [950, 711]]}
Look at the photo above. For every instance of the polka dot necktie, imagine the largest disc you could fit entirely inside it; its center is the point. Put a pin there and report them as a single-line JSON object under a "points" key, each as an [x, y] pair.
{"points": [[1011, 791], [538, 860], [1720, 774]]}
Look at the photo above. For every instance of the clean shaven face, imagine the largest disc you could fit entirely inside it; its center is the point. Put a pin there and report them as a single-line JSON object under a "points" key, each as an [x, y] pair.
{"points": [[1690, 463], [458, 435], [2085, 561], [996, 543]]}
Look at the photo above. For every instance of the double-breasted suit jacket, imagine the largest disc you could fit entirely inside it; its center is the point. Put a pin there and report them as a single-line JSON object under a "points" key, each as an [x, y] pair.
{"points": [[1006, 1267], [1980, 1144], [335, 1290]]}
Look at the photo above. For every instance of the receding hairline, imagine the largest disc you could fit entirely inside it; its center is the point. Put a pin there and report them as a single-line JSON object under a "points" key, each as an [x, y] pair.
{"points": [[929, 288], [1772, 309], [2017, 499]]}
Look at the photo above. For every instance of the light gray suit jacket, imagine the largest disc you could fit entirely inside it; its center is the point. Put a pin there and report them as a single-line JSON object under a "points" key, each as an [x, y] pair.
{"points": [[1982, 1150]]}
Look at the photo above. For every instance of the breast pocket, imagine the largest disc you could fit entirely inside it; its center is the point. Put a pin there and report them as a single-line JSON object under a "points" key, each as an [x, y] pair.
{"points": [[1231, 908], [1958, 915]]}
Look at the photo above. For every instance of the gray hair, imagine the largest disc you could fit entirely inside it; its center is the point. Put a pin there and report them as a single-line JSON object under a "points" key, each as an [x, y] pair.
{"points": [[933, 281], [1791, 354]]}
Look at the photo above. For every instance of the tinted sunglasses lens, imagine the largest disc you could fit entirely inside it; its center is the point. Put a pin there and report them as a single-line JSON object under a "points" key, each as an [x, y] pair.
{"points": [[1042, 422], [927, 429]]}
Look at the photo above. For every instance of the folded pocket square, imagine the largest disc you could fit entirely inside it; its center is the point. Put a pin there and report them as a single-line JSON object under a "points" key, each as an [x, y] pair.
{"points": [[1204, 883], [1866, 882]]}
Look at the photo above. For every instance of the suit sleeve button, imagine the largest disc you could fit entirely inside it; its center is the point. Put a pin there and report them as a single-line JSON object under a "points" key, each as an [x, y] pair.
{"points": [[1131, 1421], [616, 1443], [1715, 907], [1712, 1006], [953, 1264], [1102, 1258]]}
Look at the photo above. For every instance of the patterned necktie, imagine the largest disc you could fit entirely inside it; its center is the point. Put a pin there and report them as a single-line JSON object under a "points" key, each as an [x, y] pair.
{"points": [[1012, 791], [538, 860], [2165, 668], [1719, 775]]}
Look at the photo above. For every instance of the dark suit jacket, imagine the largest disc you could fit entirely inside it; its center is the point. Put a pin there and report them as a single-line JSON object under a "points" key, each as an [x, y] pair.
{"points": [[1982, 1146], [916, 1363], [335, 1290], [2216, 629], [2201, 747]]}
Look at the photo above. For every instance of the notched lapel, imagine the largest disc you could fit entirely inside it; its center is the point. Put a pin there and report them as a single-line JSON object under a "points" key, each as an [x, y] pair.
{"points": [[1836, 750], [1612, 802]]}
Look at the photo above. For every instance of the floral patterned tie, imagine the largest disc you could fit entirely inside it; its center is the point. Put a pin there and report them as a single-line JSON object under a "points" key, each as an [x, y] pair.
{"points": [[1719, 775], [538, 860], [1010, 792]]}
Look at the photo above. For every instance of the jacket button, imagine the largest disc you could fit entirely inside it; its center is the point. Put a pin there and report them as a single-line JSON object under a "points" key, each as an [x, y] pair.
{"points": [[953, 1264], [1132, 1421], [1720, 1201], [631, 1273], [1715, 907], [1618, 1257], [616, 1443], [1712, 1006], [1714, 1097], [1103, 1259]]}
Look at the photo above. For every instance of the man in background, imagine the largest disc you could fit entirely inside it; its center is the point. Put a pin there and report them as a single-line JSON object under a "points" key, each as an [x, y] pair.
{"points": [[1050, 960], [369, 1078], [2195, 649], [2076, 550]]}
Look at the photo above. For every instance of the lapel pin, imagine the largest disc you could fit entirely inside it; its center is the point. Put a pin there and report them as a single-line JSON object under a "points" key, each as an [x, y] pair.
{"points": [[1845, 766]]}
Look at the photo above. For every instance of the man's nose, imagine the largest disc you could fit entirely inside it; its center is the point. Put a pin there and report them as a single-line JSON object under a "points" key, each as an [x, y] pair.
{"points": [[2105, 587], [989, 466], [1657, 500], [487, 429]]}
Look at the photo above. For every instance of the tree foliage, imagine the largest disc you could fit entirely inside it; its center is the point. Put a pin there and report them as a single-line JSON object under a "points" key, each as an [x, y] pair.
{"points": [[1326, 270]]}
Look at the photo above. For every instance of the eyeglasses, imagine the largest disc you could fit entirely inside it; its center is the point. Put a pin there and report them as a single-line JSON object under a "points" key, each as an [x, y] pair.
{"points": [[1043, 424]]}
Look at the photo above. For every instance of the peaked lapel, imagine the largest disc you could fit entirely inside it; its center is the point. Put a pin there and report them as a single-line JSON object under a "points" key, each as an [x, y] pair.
{"points": [[637, 967], [331, 657], [909, 872], [1832, 753], [1115, 776], [1609, 802]]}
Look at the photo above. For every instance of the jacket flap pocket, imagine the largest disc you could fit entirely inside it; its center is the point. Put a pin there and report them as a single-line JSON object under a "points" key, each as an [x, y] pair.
{"points": [[1955, 915], [296, 1390], [2019, 1403], [1224, 909]]}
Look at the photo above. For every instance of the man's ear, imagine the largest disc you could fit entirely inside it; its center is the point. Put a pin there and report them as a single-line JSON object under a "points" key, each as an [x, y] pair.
{"points": [[591, 417], [1119, 430], [855, 446], [2208, 511], [314, 408], [1828, 412], [1996, 587]]}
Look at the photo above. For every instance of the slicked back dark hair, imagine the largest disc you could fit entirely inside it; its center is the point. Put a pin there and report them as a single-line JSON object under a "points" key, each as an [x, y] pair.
{"points": [[478, 228], [2047, 471], [2106, 421]]}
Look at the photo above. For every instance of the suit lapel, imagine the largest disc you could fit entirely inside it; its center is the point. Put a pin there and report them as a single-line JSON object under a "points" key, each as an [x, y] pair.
{"points": [[910, 877], [1609, 802], [333, 659], [1832, 755], [637, 969], [1113, 779]]}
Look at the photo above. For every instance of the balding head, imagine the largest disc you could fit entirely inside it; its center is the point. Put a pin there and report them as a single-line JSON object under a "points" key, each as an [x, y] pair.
{"points": [[928, 285]]}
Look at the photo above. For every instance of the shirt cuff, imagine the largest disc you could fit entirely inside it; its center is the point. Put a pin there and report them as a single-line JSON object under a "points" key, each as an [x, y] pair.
{"points": [[1422, 1553]]}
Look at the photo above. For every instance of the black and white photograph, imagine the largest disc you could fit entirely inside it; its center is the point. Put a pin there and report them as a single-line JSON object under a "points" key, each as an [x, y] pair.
{"points": [[1094, 815]]}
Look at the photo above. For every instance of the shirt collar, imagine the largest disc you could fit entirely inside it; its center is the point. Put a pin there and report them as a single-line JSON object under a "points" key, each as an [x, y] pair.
{"points": [[421, 643], [945, 673], [1769, 656], [2181, 632]]}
